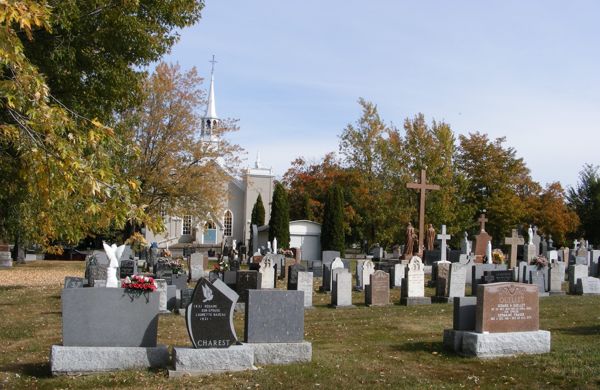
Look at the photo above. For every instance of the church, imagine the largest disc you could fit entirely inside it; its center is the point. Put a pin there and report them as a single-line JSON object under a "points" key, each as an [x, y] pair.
{"points": [[186, 234]]}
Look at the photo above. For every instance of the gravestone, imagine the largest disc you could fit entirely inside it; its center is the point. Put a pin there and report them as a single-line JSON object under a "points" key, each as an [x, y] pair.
{"points": [[209, 317], [247, 280], [341, 295], [536, 241], [329, 256], [507, 307], [96, 269], [537, 278], [443, 237], [464, 313], [529, 253], [74, 282], [514, 240], [127, 268], [442, 278], [576, 271], [496, 276], [5, 256], [293, 270], [481, 240], [458, 280], [230, 279], [377, 292], [588, 286], [413, 286], [196, 266], [305, 284], [267, 272], [359, 274], [161, 289], [477, 272], [594, 269], [367, 271], [186, 298], [274, 316], [397, 275], [431, 256], [555, 278], [327, 270]]}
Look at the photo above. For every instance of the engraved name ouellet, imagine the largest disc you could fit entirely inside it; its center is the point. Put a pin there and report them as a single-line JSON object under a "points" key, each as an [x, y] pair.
{"points": [[511, 306]]}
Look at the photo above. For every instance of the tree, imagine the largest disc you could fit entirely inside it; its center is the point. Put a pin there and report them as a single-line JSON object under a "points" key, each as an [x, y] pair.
{"points": [[497, 181], [95, 54], [360, 147], [57, 174], [258, 212], [585, 200], [552, 214], [332, 230], [279, 224], [177, 170]]}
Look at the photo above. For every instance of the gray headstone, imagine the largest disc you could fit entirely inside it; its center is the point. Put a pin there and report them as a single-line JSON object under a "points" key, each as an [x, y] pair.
{"points": [[458, 279], [342, 290], [329, 256], [464, 313], [74, 282], [576, 271], [588, 285], [274, 316], [119, 318], [305, 284]]}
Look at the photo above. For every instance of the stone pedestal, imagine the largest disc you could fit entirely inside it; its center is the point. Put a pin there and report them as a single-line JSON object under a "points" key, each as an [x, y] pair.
{"points": [[90, 360], [5, 258], [201, 361], [413, 301], [493, 345], [281, 353]]}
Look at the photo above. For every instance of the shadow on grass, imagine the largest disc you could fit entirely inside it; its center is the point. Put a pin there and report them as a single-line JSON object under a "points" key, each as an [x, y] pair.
{"points": [[9, 288], [425, 346], [56, 313], [37, 370], [580, 330]]}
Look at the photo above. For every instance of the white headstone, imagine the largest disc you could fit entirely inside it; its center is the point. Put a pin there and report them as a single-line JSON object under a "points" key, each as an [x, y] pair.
{"points": [[576, 272], [399, 270], [267, 272], [443, 237], [274, 244], [458, 280], [367, 270], [341, 294], [161, 288], [488, 253], [305, 283], [196, 266], [415, 278]]}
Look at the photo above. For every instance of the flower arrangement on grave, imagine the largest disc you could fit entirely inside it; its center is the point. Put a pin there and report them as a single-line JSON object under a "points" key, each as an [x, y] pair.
{"points": [[222, 265], [166, 253], [498, 256], [139, 283], [540, 261], [137, 242], [176, 266]]}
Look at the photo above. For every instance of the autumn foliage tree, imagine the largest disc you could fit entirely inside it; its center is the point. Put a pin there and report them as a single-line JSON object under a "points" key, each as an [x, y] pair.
{"points": [[584, 199], [178, 171]]}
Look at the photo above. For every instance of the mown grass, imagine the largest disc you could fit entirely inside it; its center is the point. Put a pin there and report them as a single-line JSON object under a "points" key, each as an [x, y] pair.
{"points": [[362, 347]]}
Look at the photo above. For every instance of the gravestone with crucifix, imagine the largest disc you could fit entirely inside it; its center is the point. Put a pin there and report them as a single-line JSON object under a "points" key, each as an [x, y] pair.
{"points": [[513, 241], [422, 187], [443, 237], [481, 240]]}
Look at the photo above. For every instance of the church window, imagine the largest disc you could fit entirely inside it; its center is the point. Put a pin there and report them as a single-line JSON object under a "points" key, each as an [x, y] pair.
{"points": [[228, 223], [187, 224]]}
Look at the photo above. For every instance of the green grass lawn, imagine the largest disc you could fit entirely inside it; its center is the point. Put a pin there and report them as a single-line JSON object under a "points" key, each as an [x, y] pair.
{"points": [[362, 347]]}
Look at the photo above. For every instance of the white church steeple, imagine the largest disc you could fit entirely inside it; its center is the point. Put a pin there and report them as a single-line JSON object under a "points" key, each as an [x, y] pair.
{"points": [[210, 120]]}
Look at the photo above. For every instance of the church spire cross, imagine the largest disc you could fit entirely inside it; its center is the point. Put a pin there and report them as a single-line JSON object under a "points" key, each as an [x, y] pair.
{"points": [[422, 187], [482, 220], [213, 62]]}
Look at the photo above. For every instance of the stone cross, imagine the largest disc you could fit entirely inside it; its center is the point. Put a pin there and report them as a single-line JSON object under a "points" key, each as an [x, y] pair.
{"points": [[482, 220], [443, 237], [513, 241], [575, 245], [422, 187]]}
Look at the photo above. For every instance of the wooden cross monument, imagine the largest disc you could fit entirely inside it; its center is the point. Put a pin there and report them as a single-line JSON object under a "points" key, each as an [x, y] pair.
{"points": [[422, 187]]}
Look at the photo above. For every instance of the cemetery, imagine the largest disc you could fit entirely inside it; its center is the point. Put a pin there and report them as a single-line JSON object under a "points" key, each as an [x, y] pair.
{"points": [[139, 247]]}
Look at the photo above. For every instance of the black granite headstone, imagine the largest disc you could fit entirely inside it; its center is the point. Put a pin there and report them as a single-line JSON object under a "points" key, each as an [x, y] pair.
{"points": [[497, 276], [247, 280], [186, 297], [292, 283], [230, 279], [209, 318], [127, 268]]}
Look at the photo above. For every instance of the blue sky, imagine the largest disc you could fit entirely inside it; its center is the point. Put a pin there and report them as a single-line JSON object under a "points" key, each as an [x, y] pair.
{"points": [[292, 73]]}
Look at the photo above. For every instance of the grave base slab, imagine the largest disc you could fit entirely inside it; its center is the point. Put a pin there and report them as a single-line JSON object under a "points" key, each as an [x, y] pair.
{"points": [[342, 306], [557, 293], [90, 360], [202, 361], [281, 353], [442, 299], [414, 301], [493, 345]]}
